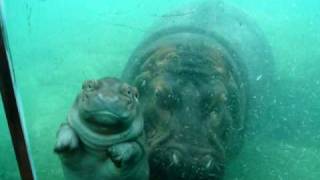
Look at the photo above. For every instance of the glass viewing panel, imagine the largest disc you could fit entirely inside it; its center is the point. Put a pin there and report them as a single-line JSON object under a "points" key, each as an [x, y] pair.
{"points": [[56, 45]]}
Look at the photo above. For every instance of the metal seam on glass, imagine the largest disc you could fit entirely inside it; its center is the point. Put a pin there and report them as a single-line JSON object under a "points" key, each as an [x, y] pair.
{"points": [[11, 107]]}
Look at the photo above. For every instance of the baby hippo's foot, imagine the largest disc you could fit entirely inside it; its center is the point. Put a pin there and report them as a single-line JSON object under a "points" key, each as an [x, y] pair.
{"points": [[125, 154], [67, 139]]}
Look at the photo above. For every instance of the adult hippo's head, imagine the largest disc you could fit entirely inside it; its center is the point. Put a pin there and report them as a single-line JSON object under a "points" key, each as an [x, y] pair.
{"points": [[202, 71], [194, 105]]}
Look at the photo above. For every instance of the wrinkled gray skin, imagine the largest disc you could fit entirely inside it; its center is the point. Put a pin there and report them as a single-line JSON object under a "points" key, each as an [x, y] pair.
{"points": [[202, 72], [103, 135]]}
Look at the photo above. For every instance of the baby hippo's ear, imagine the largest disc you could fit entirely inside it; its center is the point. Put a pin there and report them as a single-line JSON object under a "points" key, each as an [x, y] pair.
{"points": [[90, 85]]}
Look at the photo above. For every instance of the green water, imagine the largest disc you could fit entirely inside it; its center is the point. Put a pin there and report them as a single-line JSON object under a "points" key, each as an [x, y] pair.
{"points": [[56, 44]]}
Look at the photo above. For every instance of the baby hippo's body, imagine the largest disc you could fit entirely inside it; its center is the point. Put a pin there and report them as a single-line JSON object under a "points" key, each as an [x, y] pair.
{"points": [[103, 135]]}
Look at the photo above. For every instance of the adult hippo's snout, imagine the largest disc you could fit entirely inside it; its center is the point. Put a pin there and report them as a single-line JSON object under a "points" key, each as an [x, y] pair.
{"points": [[183, 162], [184, 138]]}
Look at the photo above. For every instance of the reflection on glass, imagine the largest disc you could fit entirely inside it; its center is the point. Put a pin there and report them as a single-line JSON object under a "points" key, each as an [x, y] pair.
{"points": [[8, 164]]}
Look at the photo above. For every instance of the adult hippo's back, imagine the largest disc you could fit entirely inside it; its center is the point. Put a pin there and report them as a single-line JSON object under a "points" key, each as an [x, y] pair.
{"points": [[202, 72]]}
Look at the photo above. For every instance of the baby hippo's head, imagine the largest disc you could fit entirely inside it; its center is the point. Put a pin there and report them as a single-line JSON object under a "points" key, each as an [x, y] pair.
{"points": [[108, 104]]}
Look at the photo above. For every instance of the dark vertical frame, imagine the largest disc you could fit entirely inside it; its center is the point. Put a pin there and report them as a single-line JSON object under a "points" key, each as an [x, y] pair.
{"points": [[11, 108]]}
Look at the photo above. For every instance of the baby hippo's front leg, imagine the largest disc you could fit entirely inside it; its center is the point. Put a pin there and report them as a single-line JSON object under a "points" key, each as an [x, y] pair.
{"points": [[126, 154], [67, 139]]}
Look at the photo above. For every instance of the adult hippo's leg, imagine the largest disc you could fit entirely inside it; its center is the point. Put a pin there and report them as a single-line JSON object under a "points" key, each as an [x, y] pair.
{"points": [[198, 71]]}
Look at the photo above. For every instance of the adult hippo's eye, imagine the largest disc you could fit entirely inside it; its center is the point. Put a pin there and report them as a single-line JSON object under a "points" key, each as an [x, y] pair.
{"points": [[167, 98], [213, 92]]}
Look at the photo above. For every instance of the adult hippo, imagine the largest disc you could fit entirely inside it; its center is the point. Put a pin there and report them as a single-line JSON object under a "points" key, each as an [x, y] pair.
{"points": [[201, 73], [103, 135]]}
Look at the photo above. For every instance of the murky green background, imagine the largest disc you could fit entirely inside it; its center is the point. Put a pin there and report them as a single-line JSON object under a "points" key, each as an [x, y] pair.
{"points": [[56, 44]]}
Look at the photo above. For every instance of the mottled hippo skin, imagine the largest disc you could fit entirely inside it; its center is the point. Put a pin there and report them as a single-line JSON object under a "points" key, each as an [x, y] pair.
{"points": [[103, 135], [201, 73]]}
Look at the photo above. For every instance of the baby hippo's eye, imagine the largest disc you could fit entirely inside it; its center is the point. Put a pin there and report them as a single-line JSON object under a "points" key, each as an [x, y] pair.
{"points": [[90, 85]]}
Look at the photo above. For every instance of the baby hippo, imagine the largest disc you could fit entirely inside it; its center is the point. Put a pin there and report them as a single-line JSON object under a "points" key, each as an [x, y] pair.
{"points": [[103, 136]]}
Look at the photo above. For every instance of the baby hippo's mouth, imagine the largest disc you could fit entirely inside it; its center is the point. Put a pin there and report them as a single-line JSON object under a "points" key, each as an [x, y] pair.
{"points": [[106, 121], [104, 118]]}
